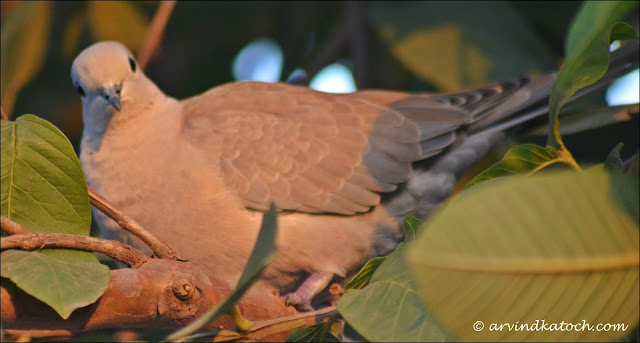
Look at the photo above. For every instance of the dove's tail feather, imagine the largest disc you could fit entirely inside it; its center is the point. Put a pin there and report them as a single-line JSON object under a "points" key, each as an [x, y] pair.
{"points": [[432, 181]]}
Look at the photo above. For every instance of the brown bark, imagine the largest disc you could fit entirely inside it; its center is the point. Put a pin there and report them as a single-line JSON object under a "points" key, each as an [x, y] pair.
{"points": [[161, 294]]}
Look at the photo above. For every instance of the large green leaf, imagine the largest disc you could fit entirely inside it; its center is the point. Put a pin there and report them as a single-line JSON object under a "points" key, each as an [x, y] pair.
{"points": [[587, 53], [24, 41], [554, 247], [263, 252], [43, 188], [389, 308], [521, 159], [454, 44]]}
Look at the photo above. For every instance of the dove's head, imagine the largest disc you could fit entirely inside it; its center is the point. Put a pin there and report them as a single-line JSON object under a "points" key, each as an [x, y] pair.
{"points": [[111, 85], [100, 72]]}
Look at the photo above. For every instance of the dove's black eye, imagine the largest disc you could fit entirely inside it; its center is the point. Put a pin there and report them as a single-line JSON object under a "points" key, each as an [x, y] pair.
{"points": [[132, 64], [80, 90]]}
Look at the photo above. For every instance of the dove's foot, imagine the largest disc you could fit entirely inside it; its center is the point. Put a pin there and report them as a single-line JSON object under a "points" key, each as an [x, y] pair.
{"points": [[314, 284]]}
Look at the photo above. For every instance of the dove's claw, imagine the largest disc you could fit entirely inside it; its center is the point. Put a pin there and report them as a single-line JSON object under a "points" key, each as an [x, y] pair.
{"points": [[313, 285], [302, 305]]}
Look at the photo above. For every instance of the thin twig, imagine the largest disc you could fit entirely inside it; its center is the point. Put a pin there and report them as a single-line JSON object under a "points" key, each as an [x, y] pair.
{"points": [[268, 327], [154, 34], [330, 51], [3, 115], [13, 228], [29, 240], [358, 42], [159, 248]]}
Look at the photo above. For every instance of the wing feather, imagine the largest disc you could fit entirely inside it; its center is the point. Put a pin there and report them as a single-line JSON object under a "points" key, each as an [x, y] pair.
{"points": [[316, 152]]}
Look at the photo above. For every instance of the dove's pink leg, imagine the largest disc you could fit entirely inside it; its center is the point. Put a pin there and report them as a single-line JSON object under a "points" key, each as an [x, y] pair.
{"points": [[314, 284]]}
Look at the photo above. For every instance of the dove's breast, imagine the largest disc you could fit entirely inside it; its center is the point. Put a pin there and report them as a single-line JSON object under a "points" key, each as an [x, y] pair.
{"points": [[175, 190]]}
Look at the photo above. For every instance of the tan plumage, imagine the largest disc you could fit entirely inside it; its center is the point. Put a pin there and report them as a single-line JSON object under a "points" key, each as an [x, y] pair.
{"points": [[198, 172]]}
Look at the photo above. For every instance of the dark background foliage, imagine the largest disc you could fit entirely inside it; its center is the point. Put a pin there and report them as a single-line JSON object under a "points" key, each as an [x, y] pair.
{"points": [[409, 46]]}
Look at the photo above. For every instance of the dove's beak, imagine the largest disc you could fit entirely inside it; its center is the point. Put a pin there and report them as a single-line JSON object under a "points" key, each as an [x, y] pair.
{"points": [[112, 95]]}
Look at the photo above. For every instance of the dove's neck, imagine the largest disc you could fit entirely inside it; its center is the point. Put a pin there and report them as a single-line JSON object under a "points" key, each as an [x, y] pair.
{"points": [[141, 101]]}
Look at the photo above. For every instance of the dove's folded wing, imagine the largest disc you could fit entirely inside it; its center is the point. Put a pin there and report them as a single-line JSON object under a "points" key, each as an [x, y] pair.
{"points": [[323, 153]]}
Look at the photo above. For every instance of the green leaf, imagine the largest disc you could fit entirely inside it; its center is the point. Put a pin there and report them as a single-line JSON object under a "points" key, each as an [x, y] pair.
{"points": [[455, 45], [389, 308], [521, 159], [263, 252], [64, 282], [411, 227], [613, 161], [587, 54], [624, 192], [553, 246], [364, 275], [24, 42], [622, 31], [325, 332], [121, 21], [43, 188]]}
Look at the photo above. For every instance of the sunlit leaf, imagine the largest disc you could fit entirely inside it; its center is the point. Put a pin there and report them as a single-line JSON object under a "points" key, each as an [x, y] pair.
{"points": [[554, 247], [24, 42], [43, 189]]}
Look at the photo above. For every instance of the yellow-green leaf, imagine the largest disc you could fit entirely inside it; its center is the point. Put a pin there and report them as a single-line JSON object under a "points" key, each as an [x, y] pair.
{"points": [[24, 41], [521, 159], [558, 247]]}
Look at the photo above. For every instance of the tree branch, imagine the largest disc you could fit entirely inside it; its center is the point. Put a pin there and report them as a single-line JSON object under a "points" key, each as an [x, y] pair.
{"points": [[161, 294], [159, 248], [3, 115], [25, 239], [12, 227], [154, 34]]}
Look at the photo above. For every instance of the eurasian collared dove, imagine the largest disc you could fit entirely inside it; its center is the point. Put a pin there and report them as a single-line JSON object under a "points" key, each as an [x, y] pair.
{"points": [[343, 168]]}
